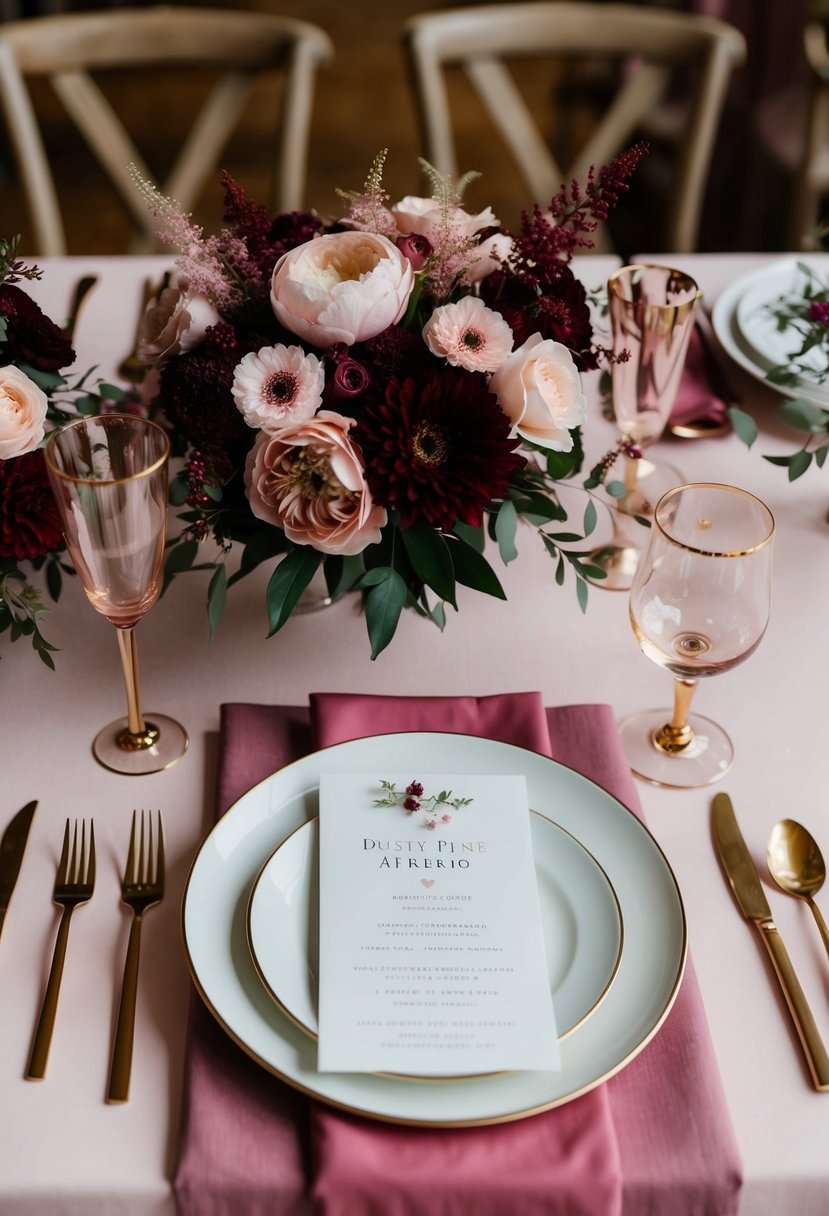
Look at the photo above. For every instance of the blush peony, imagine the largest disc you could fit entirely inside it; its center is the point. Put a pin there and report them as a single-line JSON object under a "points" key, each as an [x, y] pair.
{"points": [[22, 413], [342, 287], [539, 389], [308, 479]]}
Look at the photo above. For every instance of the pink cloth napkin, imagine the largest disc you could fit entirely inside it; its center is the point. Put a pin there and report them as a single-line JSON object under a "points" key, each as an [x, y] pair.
{"points": [[655, 1139], [703, 395]]}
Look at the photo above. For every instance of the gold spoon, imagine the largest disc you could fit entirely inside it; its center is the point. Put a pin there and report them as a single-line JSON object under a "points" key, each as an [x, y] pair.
{"points": [[797, 866]]}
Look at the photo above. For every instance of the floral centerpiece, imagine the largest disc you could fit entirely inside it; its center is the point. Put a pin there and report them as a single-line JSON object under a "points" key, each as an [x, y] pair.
{"points": [[371, 397], [35, 395]]}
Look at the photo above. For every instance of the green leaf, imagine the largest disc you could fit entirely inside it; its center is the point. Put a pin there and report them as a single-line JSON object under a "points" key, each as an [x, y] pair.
{"points": [[561, 571], [804, 415], [48, 381], [820, 456], [268, 543], [506, 523], [592, 572], [179, 559], [473, 536], [213, 492], [541, 506], [591, 516], [111, 392], [473, 570], [341, 573], [745, 427], [216, 597], [616, 489], [87, 405], [383, 605], [799, 463], [429, 554], [54, 580], [581, 593], [287, 583]]}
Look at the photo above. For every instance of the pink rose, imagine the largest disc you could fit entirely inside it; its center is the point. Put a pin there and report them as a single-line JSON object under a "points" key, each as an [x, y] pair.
{"points": [[417, 248], [174, 324], [308, 480], [343, 287], [22, 412], [424, 217], [539, 390]]}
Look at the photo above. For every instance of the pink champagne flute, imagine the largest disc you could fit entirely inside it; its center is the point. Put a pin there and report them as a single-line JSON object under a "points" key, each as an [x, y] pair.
{"points": [[109, 476]]}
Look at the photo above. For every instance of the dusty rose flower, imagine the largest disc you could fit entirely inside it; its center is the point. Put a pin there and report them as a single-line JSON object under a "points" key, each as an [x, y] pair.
{"points": [[22, 412], [308, 480], [416, 248], [468, 335], [539, 389], [350, 379], [278, 385], [174, 323], [343, 287]]}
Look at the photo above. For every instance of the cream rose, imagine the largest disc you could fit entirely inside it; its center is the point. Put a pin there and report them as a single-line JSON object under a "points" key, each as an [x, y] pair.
{"points": [[539, 389], [343, 287], [174, 324], [424, 216], [22, 413], [308, 480]]}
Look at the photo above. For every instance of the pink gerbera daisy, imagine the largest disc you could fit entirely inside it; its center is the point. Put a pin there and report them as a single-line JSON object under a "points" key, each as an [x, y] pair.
{"points": [[278, 385], [468, 335]]}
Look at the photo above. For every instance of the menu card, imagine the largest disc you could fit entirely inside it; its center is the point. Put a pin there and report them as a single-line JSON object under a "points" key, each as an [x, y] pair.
{"points": [[432, 958]]}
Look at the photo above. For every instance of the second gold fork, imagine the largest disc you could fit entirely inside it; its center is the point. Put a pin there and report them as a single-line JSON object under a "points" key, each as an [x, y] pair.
{"points": [[143, 886]]}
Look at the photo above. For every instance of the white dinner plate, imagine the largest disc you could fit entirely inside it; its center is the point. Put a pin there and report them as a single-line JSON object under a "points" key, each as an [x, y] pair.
{"points": [[214, 917], [580, 914], [750, 337]]}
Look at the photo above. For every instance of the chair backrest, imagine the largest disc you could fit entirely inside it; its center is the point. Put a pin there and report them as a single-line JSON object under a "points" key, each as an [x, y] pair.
{"points": [[239, 46], [653, 42], [812, 170]]}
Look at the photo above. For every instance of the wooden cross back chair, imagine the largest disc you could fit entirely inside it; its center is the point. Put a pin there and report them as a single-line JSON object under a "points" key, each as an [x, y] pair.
{"points": [[650, 44], [239, 46]]}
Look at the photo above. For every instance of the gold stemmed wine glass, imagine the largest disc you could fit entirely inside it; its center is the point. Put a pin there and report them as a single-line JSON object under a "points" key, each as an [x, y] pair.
{"points": [[651, 318], [109, 476], [699, 605]]}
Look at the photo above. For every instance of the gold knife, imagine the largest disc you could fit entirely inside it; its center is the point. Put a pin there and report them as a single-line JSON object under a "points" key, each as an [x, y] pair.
{"points": [[12, 845], [751, 900]]}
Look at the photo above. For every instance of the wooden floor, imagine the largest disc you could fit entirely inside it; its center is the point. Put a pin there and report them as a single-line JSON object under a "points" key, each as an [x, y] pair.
{"points": [[363, 104]]}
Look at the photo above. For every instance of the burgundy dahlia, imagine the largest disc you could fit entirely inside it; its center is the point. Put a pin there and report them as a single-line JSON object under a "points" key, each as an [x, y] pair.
{"points": [[437, 448], [29, 522], [196, 393], [556, 308], [30, 335]]}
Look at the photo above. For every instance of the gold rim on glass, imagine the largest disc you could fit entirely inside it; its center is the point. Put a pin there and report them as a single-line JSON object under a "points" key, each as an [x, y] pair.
{"points": [[105, 481], [713, 485], [625, 272]]}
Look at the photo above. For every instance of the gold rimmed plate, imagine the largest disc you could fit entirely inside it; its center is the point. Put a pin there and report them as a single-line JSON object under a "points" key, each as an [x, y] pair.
{"points": [[581, 920], [214, 922]]}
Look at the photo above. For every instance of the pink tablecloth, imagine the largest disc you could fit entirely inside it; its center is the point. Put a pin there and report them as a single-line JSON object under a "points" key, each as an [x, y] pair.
{"points": [[655, 1139]]}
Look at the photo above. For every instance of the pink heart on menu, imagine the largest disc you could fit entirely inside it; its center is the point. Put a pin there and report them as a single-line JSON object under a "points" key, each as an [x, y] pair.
{"points": [[428, 882]]}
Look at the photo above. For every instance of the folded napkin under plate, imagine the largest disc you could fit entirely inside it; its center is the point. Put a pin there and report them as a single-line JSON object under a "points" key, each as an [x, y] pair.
{"points": [[654, 1138]]}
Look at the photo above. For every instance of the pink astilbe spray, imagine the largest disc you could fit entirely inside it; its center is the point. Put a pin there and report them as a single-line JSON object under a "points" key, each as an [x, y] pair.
{"points": [[216, 267], [367, 210]]}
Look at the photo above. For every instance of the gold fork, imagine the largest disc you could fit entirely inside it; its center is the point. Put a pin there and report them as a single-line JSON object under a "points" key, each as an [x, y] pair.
{"points": [[143, 886], [131, 368], [74, 884]]}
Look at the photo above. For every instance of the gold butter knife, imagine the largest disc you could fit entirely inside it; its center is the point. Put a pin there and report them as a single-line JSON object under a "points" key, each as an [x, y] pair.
{"points": [[751, 900]]}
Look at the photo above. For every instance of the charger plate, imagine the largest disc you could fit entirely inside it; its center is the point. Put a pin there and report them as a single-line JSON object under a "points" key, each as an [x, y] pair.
{"points": [[214, 916], [580, 915]]}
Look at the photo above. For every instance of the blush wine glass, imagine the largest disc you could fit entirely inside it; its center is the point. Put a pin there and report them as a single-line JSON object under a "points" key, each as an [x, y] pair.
{"points": [[652, 311], [109, 476], [699, 605]]}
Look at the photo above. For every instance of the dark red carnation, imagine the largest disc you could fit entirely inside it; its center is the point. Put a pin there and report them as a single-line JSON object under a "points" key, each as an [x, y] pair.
{"points": [[30, 336], [395, 352], [29, 522], [437, 448]]}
